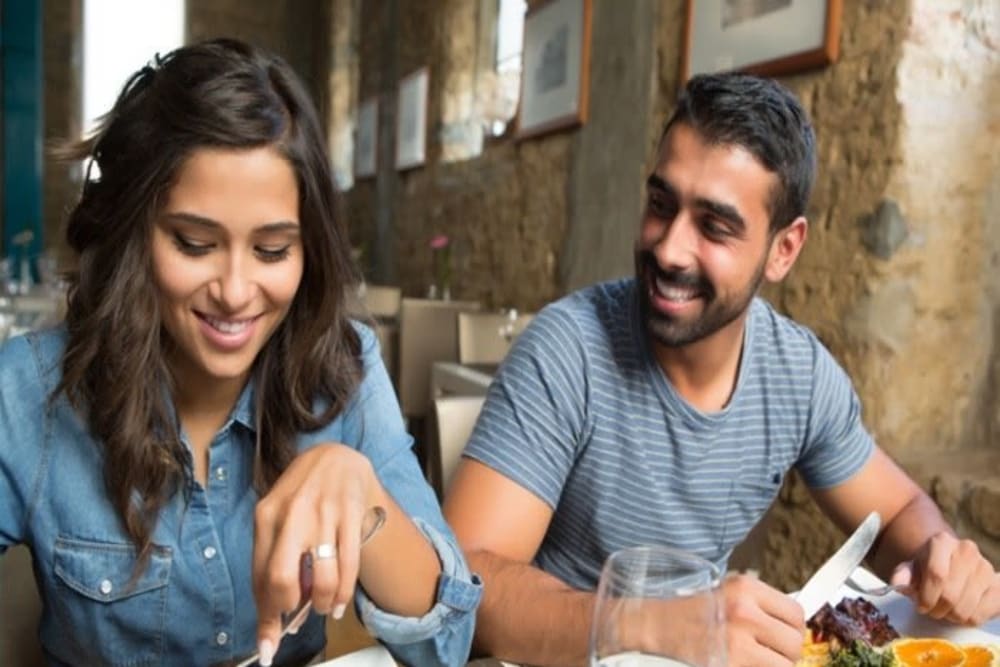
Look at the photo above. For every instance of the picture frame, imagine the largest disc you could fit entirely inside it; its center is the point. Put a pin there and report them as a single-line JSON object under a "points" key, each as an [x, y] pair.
{"points": [[411, 119], [366, 139], [764, 37], [555, 67]]}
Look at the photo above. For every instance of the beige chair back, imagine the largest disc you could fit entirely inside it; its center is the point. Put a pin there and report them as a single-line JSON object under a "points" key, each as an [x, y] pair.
{"points": [[381, 303], [20, 610], [455, 417], [485, 338], [427, 333]]}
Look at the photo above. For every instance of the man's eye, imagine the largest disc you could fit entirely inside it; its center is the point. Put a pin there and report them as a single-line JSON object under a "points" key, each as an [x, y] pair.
{"points": [[712, 228], [189, 246], [660, 206]]}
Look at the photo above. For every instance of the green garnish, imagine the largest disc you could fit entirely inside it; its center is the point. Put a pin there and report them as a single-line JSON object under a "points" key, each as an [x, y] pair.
{"points": [[860, 654]]}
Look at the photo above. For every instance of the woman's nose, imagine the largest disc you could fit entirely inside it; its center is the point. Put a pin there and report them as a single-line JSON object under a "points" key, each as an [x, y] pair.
{"points": [[234, 287]]}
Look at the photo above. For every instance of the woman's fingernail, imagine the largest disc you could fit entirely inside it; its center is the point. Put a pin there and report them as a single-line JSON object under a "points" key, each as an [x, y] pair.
{"points": [[338, 611], [266, 650]]}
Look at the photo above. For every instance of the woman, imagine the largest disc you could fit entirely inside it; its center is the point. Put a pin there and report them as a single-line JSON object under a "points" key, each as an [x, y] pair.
{"points": [[209, 418]]}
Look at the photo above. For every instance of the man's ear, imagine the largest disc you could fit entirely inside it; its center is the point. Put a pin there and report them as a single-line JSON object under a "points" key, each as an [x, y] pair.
{"points": [[785, 248]]}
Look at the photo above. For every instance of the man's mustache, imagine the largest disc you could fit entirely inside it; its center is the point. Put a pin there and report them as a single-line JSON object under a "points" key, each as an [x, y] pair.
{"points": [[675, 278]]}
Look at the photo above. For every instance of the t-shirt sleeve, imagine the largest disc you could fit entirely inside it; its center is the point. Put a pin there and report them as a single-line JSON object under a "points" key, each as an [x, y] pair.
{"points": [[837, 444], [534, 416]]}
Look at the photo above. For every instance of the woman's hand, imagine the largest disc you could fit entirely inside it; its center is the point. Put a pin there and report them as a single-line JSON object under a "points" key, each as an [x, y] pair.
{"points": [[321, 499]]}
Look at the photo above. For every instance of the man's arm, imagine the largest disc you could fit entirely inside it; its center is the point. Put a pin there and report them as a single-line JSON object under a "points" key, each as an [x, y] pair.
{"points": [[950, 577], [529, 616], [525, 615]]}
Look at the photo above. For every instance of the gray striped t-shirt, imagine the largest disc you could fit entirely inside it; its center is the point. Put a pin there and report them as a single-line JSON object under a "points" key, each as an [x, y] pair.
{"points": [[582, 416]]}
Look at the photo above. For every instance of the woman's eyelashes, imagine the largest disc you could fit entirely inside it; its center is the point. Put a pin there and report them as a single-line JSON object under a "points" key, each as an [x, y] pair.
{"points": [[191, 247], [273, 254], [195, 248]]}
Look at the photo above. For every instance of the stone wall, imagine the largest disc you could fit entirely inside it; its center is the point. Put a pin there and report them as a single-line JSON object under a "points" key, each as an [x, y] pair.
{"points": [[505, 211], [297, 30], [899, 275]]}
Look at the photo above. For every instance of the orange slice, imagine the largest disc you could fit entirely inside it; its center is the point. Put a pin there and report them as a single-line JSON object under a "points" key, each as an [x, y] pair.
{"points": [[928, 653], [978, 656]]}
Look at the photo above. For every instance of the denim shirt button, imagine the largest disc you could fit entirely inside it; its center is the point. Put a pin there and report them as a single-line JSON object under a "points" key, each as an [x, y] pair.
{"points": [[105, 587], [220, 474], [209, 553], [221, 638]]}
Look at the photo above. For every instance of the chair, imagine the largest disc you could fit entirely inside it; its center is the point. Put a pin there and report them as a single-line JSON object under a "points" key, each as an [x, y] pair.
{"points": [[485, 338], [427, 333], [455, 417], [381, 303], [20, 610]]}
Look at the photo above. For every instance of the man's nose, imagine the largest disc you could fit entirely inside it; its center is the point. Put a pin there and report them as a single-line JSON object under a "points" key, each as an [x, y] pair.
{"points": [[677, 247]]}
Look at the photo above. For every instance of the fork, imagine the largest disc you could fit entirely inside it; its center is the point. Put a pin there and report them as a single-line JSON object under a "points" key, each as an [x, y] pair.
{"points": [[876, 591], [298, 617]]}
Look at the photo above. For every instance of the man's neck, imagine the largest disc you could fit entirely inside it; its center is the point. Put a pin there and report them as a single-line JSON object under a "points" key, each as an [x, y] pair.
{"points": [[705, 372]]}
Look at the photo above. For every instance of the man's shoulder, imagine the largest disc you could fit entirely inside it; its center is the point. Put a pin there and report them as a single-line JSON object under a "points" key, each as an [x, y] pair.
{"points": [[775, 329], [605, 302], [589, 322]]}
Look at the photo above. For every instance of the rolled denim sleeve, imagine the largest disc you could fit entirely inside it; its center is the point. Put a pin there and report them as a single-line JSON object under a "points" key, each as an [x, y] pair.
{"points": [[441, 636], [373, 422]]}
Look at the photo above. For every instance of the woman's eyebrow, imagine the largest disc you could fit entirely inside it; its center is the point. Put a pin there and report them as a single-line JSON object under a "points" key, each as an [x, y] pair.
{"points": [[200, 220]]}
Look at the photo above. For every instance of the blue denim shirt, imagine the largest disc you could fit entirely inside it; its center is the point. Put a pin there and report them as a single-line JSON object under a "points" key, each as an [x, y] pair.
{"points": [[193, 604]]}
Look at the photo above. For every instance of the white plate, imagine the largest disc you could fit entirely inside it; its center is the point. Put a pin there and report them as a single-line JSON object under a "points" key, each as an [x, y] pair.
{"points": [[904, 617], [373, 656]]}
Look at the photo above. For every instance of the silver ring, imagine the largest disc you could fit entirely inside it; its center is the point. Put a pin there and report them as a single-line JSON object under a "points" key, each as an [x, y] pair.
{"points": [[325, 551]]}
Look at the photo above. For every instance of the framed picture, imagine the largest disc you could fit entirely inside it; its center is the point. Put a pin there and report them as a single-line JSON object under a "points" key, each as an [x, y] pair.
{"points": [[366, 139], [411, 120], [766, 37], [555, 67]]}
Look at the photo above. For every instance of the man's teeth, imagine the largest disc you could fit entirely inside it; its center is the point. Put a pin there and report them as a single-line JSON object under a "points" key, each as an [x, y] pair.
{"points": [[672, 292], [228, 326]]}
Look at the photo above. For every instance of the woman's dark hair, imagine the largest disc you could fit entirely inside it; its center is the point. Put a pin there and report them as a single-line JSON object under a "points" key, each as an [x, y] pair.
{"points": [[763, 117], [220, 94]]}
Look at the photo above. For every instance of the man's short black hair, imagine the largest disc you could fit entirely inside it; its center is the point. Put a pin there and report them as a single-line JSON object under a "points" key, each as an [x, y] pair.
{"points": [[763, 117]]}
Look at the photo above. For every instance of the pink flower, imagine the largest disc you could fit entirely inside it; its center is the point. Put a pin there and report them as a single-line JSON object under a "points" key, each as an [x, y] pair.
{"points": [[439, 241]]}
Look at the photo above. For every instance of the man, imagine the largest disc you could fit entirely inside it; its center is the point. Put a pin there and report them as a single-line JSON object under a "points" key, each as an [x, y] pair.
{"points": [[667, 409]]}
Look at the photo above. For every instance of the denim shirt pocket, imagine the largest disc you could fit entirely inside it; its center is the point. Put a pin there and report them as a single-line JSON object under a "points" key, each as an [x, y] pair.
{"points": [[116, 620]]}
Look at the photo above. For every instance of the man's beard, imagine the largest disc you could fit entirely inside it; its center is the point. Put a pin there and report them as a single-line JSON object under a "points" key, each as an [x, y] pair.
{"points": [[670, 331]]}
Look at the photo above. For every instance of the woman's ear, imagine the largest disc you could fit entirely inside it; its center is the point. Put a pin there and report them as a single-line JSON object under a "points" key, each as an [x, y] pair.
{"points": [[785, 248]]}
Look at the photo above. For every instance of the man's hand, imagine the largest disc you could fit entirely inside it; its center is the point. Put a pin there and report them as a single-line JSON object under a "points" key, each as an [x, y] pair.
{"points": [[949, 578], [764, 627]]}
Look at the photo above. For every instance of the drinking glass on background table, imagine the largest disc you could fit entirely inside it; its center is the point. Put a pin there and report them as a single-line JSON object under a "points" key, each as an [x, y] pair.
{"points": [[658, 606]]}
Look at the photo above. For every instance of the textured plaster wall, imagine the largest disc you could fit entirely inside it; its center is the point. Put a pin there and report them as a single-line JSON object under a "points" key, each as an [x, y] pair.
{"points": [[899, 274]]}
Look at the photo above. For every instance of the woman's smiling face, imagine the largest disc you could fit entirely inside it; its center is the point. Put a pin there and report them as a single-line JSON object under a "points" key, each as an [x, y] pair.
{"points": [[227, 260]]}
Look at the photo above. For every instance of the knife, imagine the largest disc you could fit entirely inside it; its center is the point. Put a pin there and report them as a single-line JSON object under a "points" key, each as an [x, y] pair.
{"points": [[834, 572]]}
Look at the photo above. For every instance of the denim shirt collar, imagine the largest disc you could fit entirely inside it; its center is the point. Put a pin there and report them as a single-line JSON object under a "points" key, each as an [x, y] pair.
{"points": [[242, 412]]}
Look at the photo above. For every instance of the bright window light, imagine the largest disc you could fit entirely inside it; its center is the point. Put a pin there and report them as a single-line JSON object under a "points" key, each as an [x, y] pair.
{"points": [[119, 37], [510, 34]]}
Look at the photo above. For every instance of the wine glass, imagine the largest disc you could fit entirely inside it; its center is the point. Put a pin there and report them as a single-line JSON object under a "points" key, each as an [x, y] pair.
{"points": [[658, 607]]}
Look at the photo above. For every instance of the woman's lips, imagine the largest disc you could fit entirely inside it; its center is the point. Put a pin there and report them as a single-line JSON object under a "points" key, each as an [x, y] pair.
{"points": [[227, 333]]}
